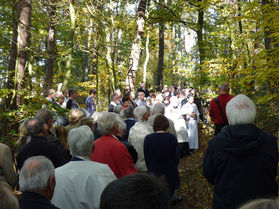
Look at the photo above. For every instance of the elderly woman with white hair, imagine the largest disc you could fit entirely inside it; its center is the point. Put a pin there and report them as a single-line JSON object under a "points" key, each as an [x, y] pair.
{"points": [[138, 133], [241, 161], [81, 181], [109, 150]]}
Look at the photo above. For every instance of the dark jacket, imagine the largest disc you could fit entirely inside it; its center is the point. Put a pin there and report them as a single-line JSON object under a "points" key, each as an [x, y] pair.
{"points": [[72, 104], [32, 200], [129, 123], [145, 91], [39, 145], [241, 163], [162, 157]]}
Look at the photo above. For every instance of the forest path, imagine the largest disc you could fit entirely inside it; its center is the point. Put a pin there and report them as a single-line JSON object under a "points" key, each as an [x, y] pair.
{"points": [[195, 190]]}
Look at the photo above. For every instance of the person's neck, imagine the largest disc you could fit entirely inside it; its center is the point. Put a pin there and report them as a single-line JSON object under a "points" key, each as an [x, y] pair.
{"points": [[160, 131]]}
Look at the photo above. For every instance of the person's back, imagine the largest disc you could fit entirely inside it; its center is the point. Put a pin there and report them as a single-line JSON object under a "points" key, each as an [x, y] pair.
{"points": [[217, 109], [39, 145], [7, 172], [241, 161], [80, 182]]}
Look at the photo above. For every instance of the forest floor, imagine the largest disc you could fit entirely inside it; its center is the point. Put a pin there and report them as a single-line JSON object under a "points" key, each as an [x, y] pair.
{"points": [[195, 189]]}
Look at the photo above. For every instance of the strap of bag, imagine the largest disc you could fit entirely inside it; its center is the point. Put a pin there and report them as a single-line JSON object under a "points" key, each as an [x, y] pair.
{"points": [[222, 113]]}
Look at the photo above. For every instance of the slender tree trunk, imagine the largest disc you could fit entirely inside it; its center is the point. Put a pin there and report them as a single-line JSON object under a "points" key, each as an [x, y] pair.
{"points": [[95, 52], [200, 37], [50, 45], [23, 40], [136, 47], [267, 31], [160, 66], [71, 45], [200, 42], [88, 33], [13, 58], [146, 58]]}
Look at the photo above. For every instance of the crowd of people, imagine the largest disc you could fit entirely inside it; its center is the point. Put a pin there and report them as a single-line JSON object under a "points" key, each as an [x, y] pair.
{"points": [[128, 156]]}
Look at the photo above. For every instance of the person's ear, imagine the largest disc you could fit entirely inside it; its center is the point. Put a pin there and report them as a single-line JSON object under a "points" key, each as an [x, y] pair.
{"points": [[51, 186]]}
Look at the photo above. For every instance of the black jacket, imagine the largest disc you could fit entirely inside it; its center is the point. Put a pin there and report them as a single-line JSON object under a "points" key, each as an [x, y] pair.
{"points": [[241, 163], [39, 145], [32, 200]]}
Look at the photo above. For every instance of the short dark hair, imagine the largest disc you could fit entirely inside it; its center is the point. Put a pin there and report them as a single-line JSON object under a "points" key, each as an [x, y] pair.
{"points": [[44, 114], [161, 123], [92, 91], [136, 191], [125, 98], [34, 126], [71, 92]]}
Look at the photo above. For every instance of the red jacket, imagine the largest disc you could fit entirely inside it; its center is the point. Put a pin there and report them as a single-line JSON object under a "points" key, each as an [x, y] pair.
{"points": [[109, 150], [214, 111]]}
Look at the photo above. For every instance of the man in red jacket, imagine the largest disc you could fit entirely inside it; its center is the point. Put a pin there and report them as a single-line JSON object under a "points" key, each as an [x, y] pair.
{"points": [[217, 110]]}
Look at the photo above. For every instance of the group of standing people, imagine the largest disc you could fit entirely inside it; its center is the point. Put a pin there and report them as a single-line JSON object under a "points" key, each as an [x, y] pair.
{"points": [[100, 156]]}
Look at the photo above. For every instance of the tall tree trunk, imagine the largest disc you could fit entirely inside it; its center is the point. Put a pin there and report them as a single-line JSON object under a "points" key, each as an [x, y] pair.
{"points": [[200, 42], [146, 58], [23, 40], [136, 47], [88, 33], [13, 59], [267, 31], [50, 45], [160, 66], [95, 52], [71, 45]]}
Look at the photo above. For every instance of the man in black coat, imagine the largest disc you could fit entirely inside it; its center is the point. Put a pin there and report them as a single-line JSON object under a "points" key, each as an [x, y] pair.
{"points": [[39, 145], [241, 161], [37, 183]]}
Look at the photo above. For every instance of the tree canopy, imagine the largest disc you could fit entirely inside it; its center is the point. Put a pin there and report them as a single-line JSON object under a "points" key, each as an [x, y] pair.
{"points": [[106, 43]]}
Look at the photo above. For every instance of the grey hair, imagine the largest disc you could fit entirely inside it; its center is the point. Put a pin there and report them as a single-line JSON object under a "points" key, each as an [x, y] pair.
{"points": [[241, 110], [81, 141], [140, 111], [261, 204], [158, 108], [34, 126], [44, 114], [224, 87], [106, 122], [96, 115], [117, 109], [128, 112], [35, 173], [121, 124]]}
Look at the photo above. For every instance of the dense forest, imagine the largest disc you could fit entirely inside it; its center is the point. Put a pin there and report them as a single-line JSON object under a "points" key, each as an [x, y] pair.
{"points": [[109, 44]]}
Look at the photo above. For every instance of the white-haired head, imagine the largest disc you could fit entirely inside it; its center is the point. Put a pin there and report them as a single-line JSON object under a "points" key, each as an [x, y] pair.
{"points": [[158, 108], [81, 141], [241, 110], [107, 122], [121, 124], [35, 173], [96, 115], [141, 113]]}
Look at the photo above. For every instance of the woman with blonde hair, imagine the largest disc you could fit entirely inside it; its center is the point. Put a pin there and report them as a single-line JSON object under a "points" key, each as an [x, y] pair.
{"points": [[75, 116]]}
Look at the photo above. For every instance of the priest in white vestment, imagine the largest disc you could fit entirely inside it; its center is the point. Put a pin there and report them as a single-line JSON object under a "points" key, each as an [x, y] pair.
{"points": [[191, 113], [80, 182]]}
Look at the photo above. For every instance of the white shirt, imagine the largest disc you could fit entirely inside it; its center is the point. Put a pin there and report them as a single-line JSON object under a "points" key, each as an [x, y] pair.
{"points": [[79, 184]]}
